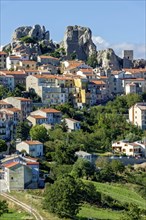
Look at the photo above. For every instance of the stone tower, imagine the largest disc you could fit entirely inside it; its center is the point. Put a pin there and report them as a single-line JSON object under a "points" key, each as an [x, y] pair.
{"points": [[127, 58]]}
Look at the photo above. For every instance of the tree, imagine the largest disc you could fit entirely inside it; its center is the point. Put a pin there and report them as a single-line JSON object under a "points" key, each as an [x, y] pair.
{"points": [[92, 60], [64, 153], [117, 166], [134, 213], [3, 92], [3, 207], [83, 169], [22, 130], [39, 132], [63, 197], [3, 145], [73, 55]]}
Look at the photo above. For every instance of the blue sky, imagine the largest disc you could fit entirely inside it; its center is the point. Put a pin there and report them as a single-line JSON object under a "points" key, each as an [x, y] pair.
{"points": [[117, 24]]}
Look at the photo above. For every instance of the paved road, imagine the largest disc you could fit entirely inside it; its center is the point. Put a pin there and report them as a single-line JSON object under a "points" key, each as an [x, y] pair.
{"points": [[24, 206]]}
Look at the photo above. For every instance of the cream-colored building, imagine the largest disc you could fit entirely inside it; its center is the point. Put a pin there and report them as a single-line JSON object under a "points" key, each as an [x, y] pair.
{"points": [[45, 116], [130, 149], [48, 60], [28, 64], [23, 104], [33, 148], [3, 57], [137, 115]]}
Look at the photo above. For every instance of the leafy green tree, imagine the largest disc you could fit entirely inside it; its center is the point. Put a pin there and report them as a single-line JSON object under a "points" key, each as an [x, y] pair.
{"points": [[117, 166], [64, 153], [83, 169], [63, 197], [3, 207], [40, 133], [3, 91], [73, 55], [22, 130], [92, 60], [3, 145]]}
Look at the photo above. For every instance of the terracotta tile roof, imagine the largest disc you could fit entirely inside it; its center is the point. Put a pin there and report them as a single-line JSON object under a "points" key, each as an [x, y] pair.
{"points": [[32, 163], [45, 76], [37, 116], [48, 57], [3, 53], [32, 142], [13, 72], [3, 103], [23, 99], [28, 61], [134, 79], [98, 82], [135, 70], [12, 109], [11, 164], [15, 57], [29, 70], [50, 110]]}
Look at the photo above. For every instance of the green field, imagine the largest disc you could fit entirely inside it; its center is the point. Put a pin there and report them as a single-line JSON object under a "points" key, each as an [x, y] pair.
{"points": [[121, 193], [16, 215], [88, 211]]}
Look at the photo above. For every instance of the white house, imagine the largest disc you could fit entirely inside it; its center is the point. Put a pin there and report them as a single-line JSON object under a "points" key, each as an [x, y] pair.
{"points": [[72, 124], [84, 155], [130, 149], [33, 148]]}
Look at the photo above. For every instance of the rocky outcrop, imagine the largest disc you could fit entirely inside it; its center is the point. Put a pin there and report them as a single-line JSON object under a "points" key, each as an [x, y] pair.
{"points": [[108, 59], [78, 41], [36, 32], [140, 63]]}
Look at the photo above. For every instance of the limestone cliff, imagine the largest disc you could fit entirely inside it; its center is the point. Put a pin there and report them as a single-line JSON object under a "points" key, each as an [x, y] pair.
{"points": [[108, 59], [36, 32], [78, 40]]}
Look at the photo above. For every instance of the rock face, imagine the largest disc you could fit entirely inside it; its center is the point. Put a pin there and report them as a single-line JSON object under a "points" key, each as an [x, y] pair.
{"points": [[36, 32], [108, 59], [140, 63], [78, 40]]}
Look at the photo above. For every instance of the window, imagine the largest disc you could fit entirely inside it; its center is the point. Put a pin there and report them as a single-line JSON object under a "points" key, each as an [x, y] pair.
{"points": [[11, 178], [130, 150]]}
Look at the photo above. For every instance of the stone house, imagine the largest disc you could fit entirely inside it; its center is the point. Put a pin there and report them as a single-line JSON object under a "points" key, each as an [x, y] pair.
{"points": [[17, 176], [33, 148]]}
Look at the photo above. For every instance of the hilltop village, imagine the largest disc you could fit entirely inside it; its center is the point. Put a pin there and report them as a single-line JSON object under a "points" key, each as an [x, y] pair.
{"points": [[60, 102]]}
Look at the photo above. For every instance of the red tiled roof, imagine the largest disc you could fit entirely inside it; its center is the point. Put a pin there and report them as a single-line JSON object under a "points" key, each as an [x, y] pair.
{"points": [[32, 142], [50, 110], [2, 53], [32, 163], [37, 116], [12, 164], [98, 82], [48, 57]]}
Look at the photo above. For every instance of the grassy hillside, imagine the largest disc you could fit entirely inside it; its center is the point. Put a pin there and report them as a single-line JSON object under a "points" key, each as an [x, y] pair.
{"points": [[121, 193], [88, 211]]}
